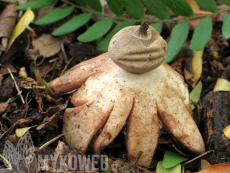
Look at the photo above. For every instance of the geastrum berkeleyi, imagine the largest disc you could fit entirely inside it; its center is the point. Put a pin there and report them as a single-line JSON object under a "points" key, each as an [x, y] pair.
{"points": [[128, 85]]}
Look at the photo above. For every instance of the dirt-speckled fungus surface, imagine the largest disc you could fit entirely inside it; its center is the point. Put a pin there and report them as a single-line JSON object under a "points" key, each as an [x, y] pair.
{"points": [[137, 49], [109, 96]]}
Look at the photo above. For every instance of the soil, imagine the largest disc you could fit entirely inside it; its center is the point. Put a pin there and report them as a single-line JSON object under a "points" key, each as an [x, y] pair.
{"points": [[43, 113]]}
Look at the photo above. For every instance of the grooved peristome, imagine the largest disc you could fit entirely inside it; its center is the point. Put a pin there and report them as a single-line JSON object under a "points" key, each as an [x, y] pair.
{"points": [[137, 52]]}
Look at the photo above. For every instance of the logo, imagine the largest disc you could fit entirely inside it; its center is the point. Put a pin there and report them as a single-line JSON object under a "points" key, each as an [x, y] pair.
{"points": [[23, 151], [62, 159]]}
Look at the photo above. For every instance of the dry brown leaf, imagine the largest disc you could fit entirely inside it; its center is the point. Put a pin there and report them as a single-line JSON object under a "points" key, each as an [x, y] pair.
{"points": [[226, 73], [195, 21], [5, 67], [13, 139], [219, 168], [69, 163], [50, 123], [45, 10], [7, 21], [3, 106], [48, 45], [8, 132], [23, 122], [32, 54], [217, 65]]}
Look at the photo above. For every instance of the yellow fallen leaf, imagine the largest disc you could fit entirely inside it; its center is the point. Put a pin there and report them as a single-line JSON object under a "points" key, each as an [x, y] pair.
{"points": [[193, 4], [189, 77], [21, 26], [20, 132], [194, 95], [197, 65], [227, 131], [222, 85], [204, 164], [160, 168]]}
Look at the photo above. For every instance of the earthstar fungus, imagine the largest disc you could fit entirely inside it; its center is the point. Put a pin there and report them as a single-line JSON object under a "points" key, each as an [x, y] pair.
{"points": [[137, 88]]}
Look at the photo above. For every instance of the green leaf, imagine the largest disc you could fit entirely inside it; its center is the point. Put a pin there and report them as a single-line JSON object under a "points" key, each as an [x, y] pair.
{"points": [[227, 2], [179, 35], [195, 94], [44, 83], [172, 159], [95, 4], [80, 2], [116, 7], [34, 5], [208, 5], [103, 45], [134, 8], [179, 7], [72, 24], [157, 26], [226, 26], [161, 169], [157, 8], [96, 31], [202, 34], [55, 16]]}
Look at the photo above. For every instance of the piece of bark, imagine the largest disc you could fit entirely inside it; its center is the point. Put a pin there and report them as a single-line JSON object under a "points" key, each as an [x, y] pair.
{"points": [[226, 73], [216, 111]]}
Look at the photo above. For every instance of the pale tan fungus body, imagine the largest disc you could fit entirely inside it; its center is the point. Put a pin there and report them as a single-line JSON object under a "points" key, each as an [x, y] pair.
{"points": [[110, 96]]}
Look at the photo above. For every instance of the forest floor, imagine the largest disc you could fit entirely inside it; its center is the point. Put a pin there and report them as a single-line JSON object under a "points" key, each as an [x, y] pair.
{"points": [[30, 108]]}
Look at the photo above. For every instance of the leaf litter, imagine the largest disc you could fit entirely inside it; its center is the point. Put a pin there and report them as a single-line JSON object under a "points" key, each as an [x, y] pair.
{"points": [[41, 114]]}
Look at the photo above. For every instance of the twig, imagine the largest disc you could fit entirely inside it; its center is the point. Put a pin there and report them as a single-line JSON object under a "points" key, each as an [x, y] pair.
{"points": [[152, 21], [40, 62], [66, 66], [179, 151], [49, 142], [197, 157], [182, 169], [50, 69], [64, 54], [15, 83]]}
